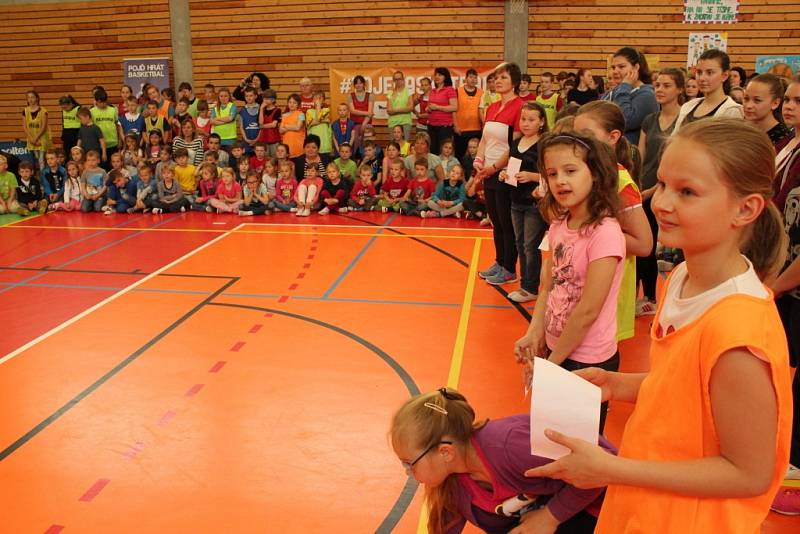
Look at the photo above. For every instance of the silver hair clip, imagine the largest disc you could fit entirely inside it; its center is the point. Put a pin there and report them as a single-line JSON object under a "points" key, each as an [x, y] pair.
{"points": [[436, 408]]}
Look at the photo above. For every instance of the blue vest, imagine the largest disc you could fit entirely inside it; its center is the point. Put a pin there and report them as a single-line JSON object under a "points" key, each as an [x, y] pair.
{"points": [[249, 123]]}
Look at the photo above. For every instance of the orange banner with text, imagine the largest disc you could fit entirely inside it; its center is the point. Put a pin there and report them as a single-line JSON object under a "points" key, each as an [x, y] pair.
{"points": [[379, 82]]}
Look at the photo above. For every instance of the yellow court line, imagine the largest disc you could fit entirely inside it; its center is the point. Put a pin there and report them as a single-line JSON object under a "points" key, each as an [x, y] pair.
{"points": [[274, 232], [791, 483], [457, 359]]}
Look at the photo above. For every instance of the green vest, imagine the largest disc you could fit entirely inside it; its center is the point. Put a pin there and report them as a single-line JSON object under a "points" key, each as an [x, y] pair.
{"points": [[70, 118], [549, 104], [227, 130], [192, 110], [626, 301], [106, 119]]}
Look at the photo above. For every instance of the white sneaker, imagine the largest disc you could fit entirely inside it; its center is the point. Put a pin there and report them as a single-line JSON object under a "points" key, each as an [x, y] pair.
{"points": [[324, 211], [384, 209], [293, 210], [793, 473], [306, 212], [245, 213], [485, 221], [423, 214], [156, 211], [183, 209], [344, 209], [458, 214], [520, 295]]}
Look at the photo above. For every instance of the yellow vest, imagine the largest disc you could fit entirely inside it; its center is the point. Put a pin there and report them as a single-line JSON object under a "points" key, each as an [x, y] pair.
{"points": [[34, 127], [549, 104], [227, 130], [626, 302]]}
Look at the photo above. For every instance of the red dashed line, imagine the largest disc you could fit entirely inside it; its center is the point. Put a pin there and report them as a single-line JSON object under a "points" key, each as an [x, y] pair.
{"points": [[315, 240], [283, 299], [310, 257], [301, 275], [313, 249], [293, 287], [134, 450], [237, 347], [54, 529], [216, 368], [194, 390], [306, 266], [166, 418], [96, 488], [256, 328], [267, 315]]}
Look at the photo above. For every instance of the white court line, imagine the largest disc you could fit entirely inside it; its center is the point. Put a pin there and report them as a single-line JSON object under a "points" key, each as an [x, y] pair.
{"points": [[116, 295], [365, 226]]}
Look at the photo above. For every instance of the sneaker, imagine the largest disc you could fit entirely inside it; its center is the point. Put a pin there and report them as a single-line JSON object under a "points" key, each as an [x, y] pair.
{"points": [[384, 209], [468, 215], [793, 473], [787, 501], [108, 212], [183, 209], [146, 210], [305, 213], [324, 211], [156, 211], [433, 214], [645, 307], [457, 214], [293, 210], [520, 295], [244, 213], [502, 277], [491, 271], [344, 209], [209, 209], [485, 221], [423, 214], [131, 210]]}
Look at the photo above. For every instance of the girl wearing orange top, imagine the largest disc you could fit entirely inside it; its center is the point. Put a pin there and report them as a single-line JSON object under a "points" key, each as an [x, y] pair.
{"points": [[293, 127], [707, 445]]}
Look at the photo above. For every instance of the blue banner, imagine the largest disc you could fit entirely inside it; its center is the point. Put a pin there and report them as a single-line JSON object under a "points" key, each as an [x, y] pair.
{"points": [[17, 148], [786, 66], [137, 72]]}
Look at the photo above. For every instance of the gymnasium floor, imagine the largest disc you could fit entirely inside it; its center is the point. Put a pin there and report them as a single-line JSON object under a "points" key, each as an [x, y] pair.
{"points": [[208, 373]]}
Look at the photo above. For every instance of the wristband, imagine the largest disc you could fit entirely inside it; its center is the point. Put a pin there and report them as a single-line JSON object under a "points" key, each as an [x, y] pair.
{"points": [[478, 160]]}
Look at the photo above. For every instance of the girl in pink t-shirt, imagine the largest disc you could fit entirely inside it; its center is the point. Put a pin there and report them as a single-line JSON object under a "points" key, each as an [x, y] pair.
{"points": [[574, 323], [229, 193]]}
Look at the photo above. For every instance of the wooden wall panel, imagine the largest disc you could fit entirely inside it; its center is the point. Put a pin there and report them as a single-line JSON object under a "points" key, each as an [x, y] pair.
{"points": [[583, 34], [70, 48], [289, 39]]}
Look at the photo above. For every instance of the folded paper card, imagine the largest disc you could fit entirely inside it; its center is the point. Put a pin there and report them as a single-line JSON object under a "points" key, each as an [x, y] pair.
{"points": [[564, 402], [512, 169]]}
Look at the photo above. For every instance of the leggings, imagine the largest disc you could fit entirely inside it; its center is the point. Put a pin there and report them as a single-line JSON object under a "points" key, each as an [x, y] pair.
{"points": [[306, 194], [438, 135], [647, 267], [498, 204], [611, 364]]}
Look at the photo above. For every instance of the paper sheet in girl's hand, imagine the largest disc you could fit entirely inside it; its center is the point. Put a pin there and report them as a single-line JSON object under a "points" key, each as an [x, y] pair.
{"points": [[564, 402], [513, 167]]}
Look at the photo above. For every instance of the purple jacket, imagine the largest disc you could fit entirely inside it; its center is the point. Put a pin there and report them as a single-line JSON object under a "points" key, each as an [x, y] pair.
{"points": [[506, 447]]}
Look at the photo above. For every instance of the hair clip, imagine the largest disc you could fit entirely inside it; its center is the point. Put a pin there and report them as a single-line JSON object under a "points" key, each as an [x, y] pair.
{"points": [[435, 408], [578, 140]]}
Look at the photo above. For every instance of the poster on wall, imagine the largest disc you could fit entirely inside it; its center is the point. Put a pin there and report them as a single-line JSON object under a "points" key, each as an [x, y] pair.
{"points": [[137, 72], [379, 82], [710, 11], [700, 42], [786, 66]]}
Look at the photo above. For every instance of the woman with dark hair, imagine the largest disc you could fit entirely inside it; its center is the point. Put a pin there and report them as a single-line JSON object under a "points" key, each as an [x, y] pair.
{"points": [[584, 92], [738, 77], [442, 104], [712, 72], [634, 93], [763, 100], [500, 128], [361, 103], [257, 80]]}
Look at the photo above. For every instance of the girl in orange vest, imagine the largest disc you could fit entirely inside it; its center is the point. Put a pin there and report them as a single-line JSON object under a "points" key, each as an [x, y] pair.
{"points": [[707, 445]]}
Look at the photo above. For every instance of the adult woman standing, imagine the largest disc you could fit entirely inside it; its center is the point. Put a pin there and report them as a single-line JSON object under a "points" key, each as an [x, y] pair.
{"points": [[399, 105], [656, 128], [633, 93], [499, 129], [361, 104], [36, 125], [712, 71], [190, 141], [71, 124], [442, 104]]}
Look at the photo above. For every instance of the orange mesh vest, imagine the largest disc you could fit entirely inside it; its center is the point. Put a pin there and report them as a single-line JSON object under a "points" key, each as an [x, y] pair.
{"points": [[673, 421]]}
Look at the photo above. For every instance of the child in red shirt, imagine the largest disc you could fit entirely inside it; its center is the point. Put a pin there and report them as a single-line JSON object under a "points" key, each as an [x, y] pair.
{"points": [[362, 196], [420, 189], [394, 189]]}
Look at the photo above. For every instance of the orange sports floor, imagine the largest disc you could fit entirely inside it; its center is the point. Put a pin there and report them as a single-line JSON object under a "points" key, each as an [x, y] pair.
{"points": [[209, 373]]}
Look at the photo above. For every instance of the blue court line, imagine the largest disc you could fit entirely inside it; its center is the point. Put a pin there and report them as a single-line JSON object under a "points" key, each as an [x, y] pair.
{"points": [[84, 256], [109, 288], [69, 244], [358, 257]]}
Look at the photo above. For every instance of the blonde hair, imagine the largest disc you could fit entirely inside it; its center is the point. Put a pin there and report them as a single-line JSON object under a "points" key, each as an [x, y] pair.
{"points": [[426, 420], [744, 156]]}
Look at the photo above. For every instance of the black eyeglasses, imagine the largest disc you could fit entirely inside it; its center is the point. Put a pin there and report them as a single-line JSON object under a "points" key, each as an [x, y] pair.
{"points": [[408, 466]]}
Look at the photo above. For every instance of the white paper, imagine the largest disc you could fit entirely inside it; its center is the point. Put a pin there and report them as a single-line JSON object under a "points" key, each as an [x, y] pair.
{"points": [[564, 402], [512, 169]]}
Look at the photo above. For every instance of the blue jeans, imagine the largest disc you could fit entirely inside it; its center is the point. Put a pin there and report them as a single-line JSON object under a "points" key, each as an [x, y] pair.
{"points": [[280, 206], [529, 228], [93, 205]]}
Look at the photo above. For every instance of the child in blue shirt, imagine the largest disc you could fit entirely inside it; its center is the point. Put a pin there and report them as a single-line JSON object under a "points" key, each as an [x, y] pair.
{"points": [[53, 178], [448, 199]]}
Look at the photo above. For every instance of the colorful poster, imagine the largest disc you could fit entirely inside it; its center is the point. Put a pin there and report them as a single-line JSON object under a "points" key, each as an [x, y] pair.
{"points": [[379, 82], [710, 11], [137, 72], [786, 66], [700, 42]]}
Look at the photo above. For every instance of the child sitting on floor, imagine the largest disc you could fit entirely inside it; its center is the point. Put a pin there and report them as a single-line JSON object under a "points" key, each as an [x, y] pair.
{"points": [[308, 192], [334, 192], [362, 195], [449, 196]]}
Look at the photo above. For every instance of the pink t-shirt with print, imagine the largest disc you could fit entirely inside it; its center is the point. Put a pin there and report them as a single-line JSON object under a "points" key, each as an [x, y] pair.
{"points": [[572, 252]]}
